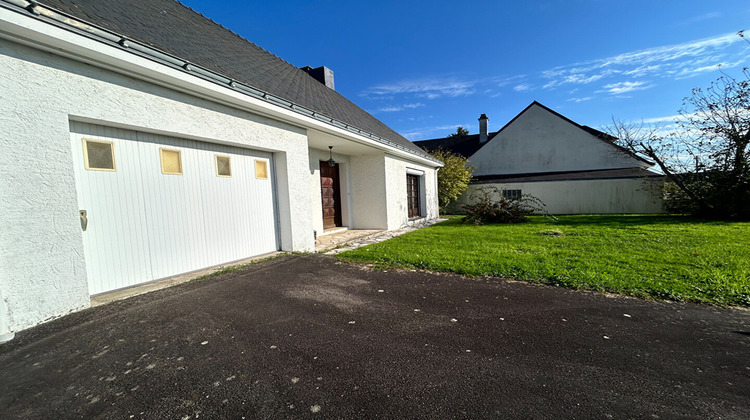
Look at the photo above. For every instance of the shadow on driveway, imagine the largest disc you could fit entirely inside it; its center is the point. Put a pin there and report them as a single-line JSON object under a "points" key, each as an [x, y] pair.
{"points": [[310, 336]]}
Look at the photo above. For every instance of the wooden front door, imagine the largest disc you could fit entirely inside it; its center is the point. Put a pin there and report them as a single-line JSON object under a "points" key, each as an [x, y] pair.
{"points": [[412, 195], [330, 195]]}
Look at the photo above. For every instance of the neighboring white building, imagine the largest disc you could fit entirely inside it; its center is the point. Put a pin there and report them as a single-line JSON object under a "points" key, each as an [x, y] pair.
{"points": [[141, 140], [573, 169]]}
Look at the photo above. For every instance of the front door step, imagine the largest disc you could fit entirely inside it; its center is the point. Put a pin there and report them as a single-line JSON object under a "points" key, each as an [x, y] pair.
{"points": [[341, 237], [333, 231]]}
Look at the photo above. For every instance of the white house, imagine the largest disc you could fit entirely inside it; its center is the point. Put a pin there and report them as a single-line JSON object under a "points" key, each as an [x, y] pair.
{"points": [[573, 169], [141, 140]]}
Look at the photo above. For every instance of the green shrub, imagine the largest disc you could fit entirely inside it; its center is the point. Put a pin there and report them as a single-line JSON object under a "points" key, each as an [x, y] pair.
{"points": [[453, 178], [486, 208]]}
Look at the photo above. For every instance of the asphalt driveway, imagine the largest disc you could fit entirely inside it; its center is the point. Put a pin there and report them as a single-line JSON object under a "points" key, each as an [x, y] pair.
{"points": [[307, 336]]}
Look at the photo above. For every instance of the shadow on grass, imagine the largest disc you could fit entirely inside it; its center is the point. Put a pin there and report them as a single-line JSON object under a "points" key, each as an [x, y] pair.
{"points": [[600, 220], [621, 220], [612, 221]]}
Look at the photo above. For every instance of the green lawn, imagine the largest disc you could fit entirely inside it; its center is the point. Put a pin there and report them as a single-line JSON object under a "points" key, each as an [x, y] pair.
{"points": [[661, 257]]}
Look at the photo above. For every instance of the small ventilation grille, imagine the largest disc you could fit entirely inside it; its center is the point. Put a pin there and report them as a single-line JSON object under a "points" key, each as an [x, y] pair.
{"points": [[223, 166], [99, 155]]}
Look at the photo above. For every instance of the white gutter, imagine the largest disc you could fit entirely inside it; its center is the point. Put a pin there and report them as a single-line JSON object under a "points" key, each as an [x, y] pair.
{"points": [[44, 28]]}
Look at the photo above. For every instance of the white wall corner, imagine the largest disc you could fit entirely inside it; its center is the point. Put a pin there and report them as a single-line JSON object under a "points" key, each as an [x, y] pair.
{"points": [[294, 207]]}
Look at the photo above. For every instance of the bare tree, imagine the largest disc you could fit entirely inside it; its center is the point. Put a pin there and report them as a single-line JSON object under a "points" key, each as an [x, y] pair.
{"points": [[706, 154]]}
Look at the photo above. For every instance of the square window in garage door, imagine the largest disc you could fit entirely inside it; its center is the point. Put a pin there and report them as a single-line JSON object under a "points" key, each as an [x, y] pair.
{"points": [[261, 169], [99, 155], [223, 166], [171, 161]]}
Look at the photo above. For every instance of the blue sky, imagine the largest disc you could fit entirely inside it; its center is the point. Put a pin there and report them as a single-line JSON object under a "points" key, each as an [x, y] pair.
{"points": [[425, 67]]}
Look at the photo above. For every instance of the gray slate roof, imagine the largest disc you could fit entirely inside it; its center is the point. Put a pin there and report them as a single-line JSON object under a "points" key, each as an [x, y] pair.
{"points": [[569, 176], [178, 30], [465, 145]]}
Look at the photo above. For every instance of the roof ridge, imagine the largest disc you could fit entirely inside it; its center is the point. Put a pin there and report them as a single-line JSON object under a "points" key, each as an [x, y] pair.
{"points": [[234, 33], [265, 51], [166, 33], [297, 69]]}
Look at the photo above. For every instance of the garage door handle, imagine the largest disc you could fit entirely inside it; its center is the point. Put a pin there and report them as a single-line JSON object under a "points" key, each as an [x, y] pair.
{"points": [[84, 220]]}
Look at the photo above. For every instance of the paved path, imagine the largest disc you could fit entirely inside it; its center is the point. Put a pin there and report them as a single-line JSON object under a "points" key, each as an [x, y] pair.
{"points": [[308, 336], [373, 237]]}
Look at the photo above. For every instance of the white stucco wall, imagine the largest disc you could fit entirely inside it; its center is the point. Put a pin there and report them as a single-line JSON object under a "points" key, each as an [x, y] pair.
{"points": [[540, 141], [395, 181], [368, 191], [41, 253], [626, 195], [376, 190]]}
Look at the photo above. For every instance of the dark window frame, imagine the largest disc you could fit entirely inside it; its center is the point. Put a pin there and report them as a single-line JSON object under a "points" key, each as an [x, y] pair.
{"points": [[413, 196], [512, 194]]}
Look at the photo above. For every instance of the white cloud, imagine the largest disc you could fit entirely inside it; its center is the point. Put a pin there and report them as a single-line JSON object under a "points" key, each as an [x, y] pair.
{"points": [[671, 52], [433, 87], [687, 60], [671, 119], [396, 108], [576, 76], [624, 87], [642, 70], [426, 133], [701, 18], [697, 70], [429, 88], [617, 75], [685, 73], [505, 81], [676, 124]]}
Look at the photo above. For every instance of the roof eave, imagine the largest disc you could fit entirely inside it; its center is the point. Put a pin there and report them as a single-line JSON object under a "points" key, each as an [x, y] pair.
{"points": [[29, 23]]}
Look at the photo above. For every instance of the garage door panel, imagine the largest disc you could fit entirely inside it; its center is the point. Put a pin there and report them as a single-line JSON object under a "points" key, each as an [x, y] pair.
{"points": [[108, 220], [238, 219], [145, 225], [173, 208], [113, 202]]}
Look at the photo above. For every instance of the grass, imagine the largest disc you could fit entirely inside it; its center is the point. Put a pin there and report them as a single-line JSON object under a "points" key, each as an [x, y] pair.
{"points": [[660, 257]]}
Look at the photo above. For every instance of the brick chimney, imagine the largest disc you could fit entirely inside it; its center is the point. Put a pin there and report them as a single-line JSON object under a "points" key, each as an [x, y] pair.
{"points": [[322, 74], [483, 128]]}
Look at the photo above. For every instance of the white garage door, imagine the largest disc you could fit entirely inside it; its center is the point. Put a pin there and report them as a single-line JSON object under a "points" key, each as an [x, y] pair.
{"points": [[158, 206]]}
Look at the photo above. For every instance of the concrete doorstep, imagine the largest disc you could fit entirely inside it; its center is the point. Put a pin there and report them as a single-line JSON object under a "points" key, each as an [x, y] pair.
{"points": [[379, 236]]}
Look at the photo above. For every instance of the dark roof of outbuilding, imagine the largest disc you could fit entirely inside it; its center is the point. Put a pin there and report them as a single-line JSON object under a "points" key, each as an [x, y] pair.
{"points": [[173, 28], [569, 176], [464, 145]]}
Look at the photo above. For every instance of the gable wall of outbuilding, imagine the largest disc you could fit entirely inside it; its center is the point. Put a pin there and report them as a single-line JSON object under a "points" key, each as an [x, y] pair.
{"points": [[540, 141]]}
